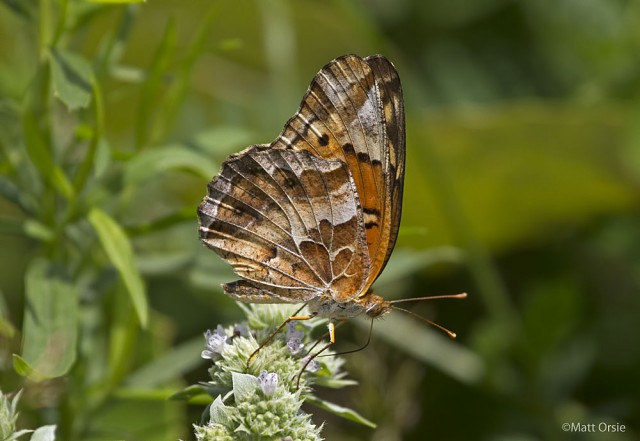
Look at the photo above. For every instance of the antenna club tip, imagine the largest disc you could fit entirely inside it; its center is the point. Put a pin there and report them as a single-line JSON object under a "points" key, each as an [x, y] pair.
{"points": [[453, 334], [462, 295]]}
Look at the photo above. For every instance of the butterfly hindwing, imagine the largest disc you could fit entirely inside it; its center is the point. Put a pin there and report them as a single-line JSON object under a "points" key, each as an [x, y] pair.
{"points": [[288, 222]]}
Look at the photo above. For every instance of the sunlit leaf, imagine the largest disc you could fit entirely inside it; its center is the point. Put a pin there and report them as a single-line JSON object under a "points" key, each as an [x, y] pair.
{"points": [[22, 367], [120, 253]]}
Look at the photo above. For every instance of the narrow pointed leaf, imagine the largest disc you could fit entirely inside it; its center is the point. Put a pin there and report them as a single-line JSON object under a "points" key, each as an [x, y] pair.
{"points": [[336, 409], [120, 253]]}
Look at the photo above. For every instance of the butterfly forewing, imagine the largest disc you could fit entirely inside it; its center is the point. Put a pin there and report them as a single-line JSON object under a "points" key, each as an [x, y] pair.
{"points": [[353, 112]]}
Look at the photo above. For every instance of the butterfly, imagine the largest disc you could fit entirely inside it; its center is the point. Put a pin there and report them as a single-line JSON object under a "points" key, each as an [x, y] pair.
{"points": [[313, 217]]}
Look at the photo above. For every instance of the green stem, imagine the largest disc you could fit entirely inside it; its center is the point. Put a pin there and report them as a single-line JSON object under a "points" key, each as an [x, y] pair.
{"points": [[44, 28]]}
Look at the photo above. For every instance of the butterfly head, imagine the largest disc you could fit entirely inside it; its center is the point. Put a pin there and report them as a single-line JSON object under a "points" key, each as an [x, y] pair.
{"points": [[374, 305]]}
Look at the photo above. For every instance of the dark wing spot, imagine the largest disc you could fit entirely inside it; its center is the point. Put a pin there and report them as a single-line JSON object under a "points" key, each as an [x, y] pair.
{"points": [[370, 225], [290, 182], [348, 149], [272, 253], [373, 211], [324, 140], [297, 139], [364, 157], [376, 163]]}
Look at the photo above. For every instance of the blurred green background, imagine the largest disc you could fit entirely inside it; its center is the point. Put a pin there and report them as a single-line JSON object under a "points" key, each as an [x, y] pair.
{"points": [[522, 187]]}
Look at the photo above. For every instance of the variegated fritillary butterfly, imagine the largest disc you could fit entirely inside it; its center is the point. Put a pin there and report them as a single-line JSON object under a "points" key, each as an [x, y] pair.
{"points": [[313, 217]]}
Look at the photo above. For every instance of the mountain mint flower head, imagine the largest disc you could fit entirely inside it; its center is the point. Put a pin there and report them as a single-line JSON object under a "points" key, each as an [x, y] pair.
{"points": [[294, 338], [268, 382], [262, 398], [295, 346], [9, 417], [216, 342], [293, 331]]}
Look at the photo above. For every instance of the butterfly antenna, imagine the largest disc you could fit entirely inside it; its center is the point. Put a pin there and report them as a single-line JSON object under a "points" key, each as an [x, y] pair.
{"points": [[419, 317], [462, 295]]}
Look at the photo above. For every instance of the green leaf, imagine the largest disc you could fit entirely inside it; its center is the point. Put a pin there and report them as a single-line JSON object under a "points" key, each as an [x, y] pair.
{"points": [[23, 368], [123, 335], [39, 150], [51, 319], [71, 75], [431, 347], [334, 383], [38, 230], [120, 253], [95, 140], [219, 413], [12, 193], [341, 411], [151, 163], [182, 74], [169, 366], [244, 385], [44, 433], [405, 262], [223, 140], [22, 8], [191, 392]]}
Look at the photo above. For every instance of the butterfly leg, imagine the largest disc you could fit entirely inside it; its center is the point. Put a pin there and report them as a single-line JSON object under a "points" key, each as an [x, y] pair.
{"points": [[294, 317], [332, 340]]}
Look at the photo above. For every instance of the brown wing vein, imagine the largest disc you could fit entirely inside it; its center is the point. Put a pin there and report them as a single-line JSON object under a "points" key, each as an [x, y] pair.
{"points": [[281, 171]]}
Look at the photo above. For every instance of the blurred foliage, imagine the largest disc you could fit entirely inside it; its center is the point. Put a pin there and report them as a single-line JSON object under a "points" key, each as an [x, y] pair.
{"points": [[523, 126]]}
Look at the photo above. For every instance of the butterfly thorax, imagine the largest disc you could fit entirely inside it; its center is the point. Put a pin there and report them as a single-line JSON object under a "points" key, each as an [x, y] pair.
{"points": [[371, 304]]}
